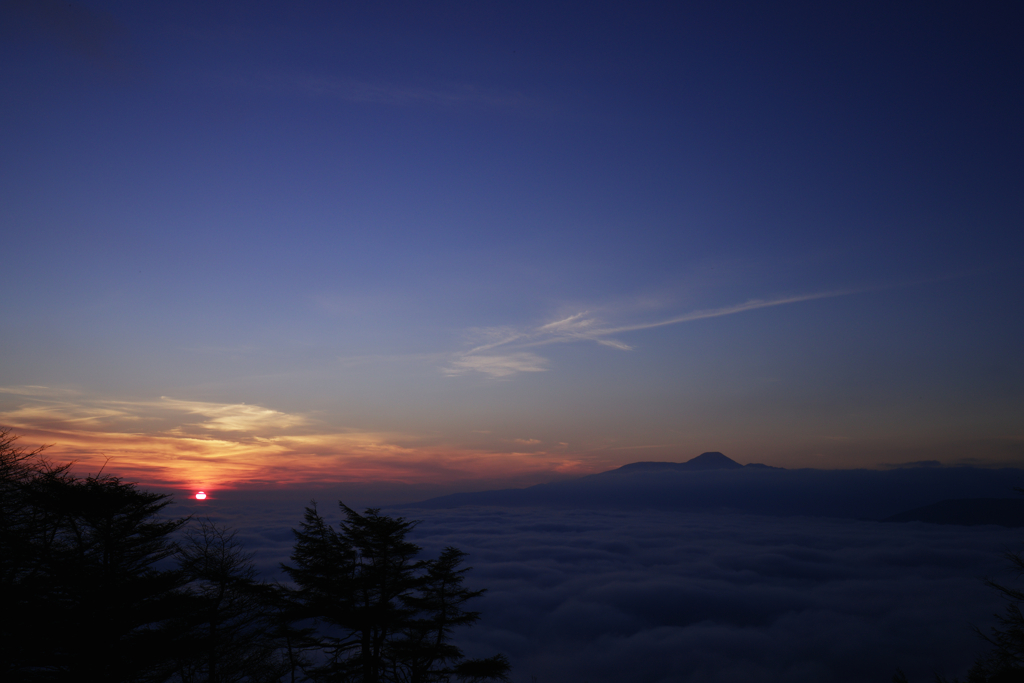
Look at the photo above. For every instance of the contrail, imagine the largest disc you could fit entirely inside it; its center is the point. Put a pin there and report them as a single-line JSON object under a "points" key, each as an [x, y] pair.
{"points": [[751, 305]]}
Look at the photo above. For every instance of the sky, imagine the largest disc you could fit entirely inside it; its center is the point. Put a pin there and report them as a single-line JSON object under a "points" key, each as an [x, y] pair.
{"points": [[421, 248]]}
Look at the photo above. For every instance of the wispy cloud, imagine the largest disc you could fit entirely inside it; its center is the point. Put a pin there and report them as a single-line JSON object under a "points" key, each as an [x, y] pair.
{"points": [[36, 390], [65, 412], [234, 417], [44, 405], [751, 305], [208, 445], [582, 327], [497, 365]]}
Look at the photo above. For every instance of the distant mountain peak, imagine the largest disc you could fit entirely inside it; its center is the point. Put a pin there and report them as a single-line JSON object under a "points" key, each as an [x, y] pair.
{"points": [[705, 461], [712, 460]]}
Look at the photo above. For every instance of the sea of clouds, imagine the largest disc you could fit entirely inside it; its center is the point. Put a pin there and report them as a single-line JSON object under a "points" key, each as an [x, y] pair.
{"points": [[604, 595]]}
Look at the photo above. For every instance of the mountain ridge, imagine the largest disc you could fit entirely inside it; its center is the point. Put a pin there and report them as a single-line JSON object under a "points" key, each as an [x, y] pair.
{"points": [[712, 484]]}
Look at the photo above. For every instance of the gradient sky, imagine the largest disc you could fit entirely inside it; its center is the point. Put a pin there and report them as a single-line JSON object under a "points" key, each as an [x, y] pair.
{"points": [[457, 245]]}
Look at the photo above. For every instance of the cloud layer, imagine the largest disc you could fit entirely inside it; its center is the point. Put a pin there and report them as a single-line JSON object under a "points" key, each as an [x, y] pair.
{"points": [[655, 596]]}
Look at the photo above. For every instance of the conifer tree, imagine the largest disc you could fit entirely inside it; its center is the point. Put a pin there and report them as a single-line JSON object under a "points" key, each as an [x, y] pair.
{"points": [[84, 592], [391, 615], [229, 627], [425, 651]]}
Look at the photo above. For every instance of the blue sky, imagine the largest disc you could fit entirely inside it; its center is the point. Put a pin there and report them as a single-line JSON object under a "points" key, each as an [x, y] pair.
{"points": [[467, 243]]}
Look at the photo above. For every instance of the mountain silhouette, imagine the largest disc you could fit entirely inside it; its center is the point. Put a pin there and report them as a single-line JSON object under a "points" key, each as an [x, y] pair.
{"points": [[712, 482], [712, 460]]}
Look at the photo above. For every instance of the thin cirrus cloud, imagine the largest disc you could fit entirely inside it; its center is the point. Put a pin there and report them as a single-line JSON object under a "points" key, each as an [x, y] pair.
{"points": [[581, 327], [234, 417], [43, 405], [497, 365]]}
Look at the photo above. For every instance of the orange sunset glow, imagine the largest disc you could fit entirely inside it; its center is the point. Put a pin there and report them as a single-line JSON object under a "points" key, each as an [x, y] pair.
{"points": [[193, 445]]}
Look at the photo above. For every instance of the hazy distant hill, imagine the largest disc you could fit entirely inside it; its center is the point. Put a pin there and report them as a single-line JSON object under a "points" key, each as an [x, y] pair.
{"points": [[968, 512], [705, 461], [713, 481]]}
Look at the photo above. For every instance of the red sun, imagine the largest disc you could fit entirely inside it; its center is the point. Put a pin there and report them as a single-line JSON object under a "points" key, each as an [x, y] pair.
{"points": [[200, 496]]}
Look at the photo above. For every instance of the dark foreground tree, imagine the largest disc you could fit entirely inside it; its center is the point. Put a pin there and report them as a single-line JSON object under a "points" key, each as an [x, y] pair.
{"points": [[84, 589], [23, 538], [424, 651], [1004, 663], [228, 630], [94, 588], [389, 616]]}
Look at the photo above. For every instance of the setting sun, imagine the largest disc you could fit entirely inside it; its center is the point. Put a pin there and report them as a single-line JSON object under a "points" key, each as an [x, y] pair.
{"points": [[200, 496]]}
